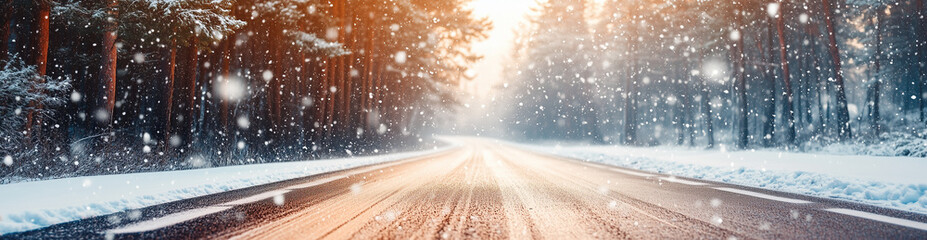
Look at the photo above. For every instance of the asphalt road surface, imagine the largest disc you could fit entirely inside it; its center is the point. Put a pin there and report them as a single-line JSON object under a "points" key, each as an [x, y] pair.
{"points": [[488, 190]]}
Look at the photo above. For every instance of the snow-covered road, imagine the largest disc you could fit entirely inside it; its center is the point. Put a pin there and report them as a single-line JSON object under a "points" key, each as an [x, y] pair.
{"points": [[30, 205], [895, 182], [488, 190]]}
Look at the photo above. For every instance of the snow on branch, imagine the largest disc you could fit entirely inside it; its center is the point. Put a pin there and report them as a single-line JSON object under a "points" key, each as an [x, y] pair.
{"points": [[311, 43], [210, 17]]}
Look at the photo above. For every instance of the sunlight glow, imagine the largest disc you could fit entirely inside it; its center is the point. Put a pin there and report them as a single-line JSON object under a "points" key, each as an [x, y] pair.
{"points": [[505, 16]]}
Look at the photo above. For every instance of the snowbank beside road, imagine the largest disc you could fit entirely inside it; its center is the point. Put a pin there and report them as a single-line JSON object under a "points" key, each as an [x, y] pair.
{"points": [[31, 205], [895, 182]]}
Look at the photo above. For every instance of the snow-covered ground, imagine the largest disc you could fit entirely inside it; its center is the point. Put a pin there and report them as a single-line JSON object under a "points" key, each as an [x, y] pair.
{"points": [[895, 182], [30, 205]]}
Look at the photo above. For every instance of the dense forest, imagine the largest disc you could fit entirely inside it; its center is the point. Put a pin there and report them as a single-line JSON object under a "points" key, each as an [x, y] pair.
{"points": [[742, 74], [112, 86]]}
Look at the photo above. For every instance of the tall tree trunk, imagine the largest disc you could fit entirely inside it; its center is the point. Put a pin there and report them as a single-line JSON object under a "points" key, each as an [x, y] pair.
{"points": [[877, 84], [303, 85], [170, 67], [786, 78], [630, 107], [769, 126], [680, 112], [740, 83], [191, 64], [378, 93], [204, 82], [843, 115], [367, 93], [922, 52], [313, 75], [805, 87], [39, 59], [350, 122], [332, 86], [818, 80], [185, 91], [106, 101], [274, 97], [690, 105], [590, 119], [340, 120], [6, 6], [706, 106], [328, 96], [225, 73], [321, 103]]}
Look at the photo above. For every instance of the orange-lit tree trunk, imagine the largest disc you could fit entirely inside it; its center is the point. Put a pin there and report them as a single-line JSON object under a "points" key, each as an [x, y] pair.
{"points": [[364, 81], [40, 43], [106, 101], [340, 114], [335, 76], [786, 80], [378, 90], [39, 59], [348, 111], [368, 86], [843, 115], [170, 66], [327, 97], [307, 104], [290, 89], [315, 78], [332, 83], [398, 89], [321, 103]]}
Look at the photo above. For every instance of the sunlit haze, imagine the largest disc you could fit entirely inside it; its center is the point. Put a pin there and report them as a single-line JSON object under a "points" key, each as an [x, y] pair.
{"points": [[505, 16]]}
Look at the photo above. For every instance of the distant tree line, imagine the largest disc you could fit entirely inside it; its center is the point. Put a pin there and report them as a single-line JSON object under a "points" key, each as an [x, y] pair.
{"points": [[128, 85], [741, 73]]}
